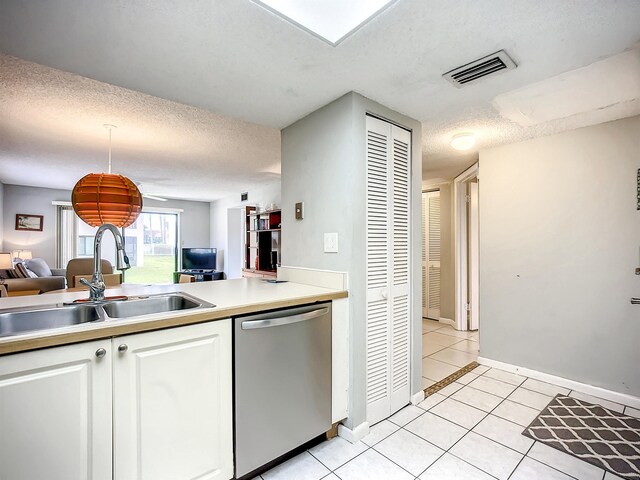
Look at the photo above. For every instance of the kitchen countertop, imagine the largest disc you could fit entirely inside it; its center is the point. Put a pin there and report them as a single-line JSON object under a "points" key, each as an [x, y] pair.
{"points": [[231, 297]]}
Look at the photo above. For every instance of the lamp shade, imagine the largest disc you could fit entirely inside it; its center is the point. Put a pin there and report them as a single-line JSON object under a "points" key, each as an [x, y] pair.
{"points": [[6, 261], [100, 198]]}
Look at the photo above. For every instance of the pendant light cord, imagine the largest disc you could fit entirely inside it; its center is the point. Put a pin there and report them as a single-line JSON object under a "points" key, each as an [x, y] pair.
{"points": [[109, 150]]}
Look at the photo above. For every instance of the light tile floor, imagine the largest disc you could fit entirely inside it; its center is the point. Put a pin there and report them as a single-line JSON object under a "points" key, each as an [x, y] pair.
{"points": [[469, 430], [445, 350]]}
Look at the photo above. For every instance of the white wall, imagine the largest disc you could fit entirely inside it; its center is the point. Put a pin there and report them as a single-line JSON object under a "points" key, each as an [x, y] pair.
{"points": [[36, 201], [262, 196], [323, 165], [194, 224], [559, 242]]}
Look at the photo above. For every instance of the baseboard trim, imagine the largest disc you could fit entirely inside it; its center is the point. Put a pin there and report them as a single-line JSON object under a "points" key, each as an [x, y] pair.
{"points": [[447, 321], [418, 397], [617, 397], [354, 435]]}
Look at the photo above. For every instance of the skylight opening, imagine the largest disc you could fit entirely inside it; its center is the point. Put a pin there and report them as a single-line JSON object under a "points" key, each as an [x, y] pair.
{"points": [[330, 20]]}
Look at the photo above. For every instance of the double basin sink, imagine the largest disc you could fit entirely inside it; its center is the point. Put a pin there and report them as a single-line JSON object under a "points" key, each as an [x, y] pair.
{"points": [[20, 320]]}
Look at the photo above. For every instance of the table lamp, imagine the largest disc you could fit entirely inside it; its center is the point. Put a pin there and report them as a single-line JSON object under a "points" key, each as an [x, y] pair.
{"points": [[22, 254], [6, 261]]}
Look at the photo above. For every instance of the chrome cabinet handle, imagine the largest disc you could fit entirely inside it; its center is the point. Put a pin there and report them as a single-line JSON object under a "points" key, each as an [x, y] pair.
{"points": [[101, 352], [123, 348], [635, 301], [275, 322]]}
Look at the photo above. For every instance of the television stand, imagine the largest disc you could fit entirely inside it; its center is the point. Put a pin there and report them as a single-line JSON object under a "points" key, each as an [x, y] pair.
{"points": [[200, 275]]}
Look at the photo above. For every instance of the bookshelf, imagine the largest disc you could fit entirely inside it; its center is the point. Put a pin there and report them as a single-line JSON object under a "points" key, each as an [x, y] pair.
{"points": [[262, 242]]}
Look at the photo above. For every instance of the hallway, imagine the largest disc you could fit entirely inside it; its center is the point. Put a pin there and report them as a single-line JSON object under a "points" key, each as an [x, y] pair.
{"points": [[445, 350]]}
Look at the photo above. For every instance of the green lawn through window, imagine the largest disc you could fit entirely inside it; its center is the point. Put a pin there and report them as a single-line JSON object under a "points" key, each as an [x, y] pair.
{"points": [[156, 269]]}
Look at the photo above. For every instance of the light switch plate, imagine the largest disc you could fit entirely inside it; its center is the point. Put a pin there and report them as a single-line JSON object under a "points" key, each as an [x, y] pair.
{"points": [[299, 210], [330, 243]]}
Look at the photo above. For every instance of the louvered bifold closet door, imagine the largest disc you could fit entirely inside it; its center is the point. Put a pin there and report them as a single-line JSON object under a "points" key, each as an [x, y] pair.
{"points": [[378, 249], [433, 255], [425, 263], [400, 267], [388, 268]]}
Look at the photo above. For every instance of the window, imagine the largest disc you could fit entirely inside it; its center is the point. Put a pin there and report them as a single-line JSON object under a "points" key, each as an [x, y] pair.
{"points": [[85, 246], [151, 244]]}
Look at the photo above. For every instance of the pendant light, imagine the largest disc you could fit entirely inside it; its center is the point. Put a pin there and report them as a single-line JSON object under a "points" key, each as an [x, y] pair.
{"points": [[100, 198]]}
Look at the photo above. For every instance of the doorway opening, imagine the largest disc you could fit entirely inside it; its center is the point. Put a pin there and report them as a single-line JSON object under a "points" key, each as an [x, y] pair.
{"points": [[449, 346]]}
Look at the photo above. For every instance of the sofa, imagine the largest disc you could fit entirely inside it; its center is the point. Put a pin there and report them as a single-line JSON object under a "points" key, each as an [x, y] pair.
{"points": [[33, 276]]}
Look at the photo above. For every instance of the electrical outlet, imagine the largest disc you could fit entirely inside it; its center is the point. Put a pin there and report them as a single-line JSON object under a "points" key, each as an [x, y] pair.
{"points": [[330, 243]]}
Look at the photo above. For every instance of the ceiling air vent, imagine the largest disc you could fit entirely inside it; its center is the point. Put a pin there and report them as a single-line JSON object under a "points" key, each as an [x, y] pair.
{"points": [[480, 68]]}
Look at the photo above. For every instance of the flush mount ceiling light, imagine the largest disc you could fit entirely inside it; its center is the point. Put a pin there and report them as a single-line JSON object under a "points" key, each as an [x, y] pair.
{"points": [[331, 20], [463, 141], [100, 198]]}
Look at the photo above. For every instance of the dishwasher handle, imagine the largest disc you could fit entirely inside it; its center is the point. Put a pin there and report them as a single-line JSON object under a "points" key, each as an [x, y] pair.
{"points": [[287, 320]]}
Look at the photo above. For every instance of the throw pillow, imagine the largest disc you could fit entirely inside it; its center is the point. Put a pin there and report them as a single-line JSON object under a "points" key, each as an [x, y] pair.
{"points": [[31, 274], [39, 267], [21, 270]]}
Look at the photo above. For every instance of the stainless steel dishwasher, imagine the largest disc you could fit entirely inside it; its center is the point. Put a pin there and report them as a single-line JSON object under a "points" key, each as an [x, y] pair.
{"points": [[282, 382]]}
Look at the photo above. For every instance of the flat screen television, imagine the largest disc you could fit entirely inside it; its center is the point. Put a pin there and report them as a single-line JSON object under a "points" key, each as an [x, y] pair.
{"points": [[199, 258]]}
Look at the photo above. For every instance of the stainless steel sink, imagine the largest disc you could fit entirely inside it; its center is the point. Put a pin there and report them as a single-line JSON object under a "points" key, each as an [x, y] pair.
{"points": [[19, 321], [152, 304]]}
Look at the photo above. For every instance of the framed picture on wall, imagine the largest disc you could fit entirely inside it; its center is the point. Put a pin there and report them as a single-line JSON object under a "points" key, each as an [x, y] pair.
{"points": [[29, 222]]}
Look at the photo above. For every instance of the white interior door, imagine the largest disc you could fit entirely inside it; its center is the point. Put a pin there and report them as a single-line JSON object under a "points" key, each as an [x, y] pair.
{"points": [[378, 213], [431, 264], [388, 268], [474, 248], [400, 268], [425, 263]]}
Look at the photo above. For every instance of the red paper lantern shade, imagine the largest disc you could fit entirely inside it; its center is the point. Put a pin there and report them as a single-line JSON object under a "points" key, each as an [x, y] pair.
{"points": [[100, 198]]}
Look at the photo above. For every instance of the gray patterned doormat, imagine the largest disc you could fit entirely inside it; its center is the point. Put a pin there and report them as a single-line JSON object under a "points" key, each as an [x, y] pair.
{"points": [[606, 439]]}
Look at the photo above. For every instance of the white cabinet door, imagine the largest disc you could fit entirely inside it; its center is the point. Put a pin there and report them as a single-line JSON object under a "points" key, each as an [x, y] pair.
{"points": [[173, 404], [55, 413]]}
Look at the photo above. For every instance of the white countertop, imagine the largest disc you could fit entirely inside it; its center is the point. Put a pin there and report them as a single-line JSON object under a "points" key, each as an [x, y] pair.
{"points": [[230, 297]]}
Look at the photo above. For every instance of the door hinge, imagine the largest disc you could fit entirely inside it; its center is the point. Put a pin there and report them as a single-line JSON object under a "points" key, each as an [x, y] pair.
{"points": [[467, 307], [467, 198]]}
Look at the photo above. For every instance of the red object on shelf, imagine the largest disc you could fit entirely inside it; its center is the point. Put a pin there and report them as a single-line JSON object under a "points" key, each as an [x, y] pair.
{"points": [[100, 198]]}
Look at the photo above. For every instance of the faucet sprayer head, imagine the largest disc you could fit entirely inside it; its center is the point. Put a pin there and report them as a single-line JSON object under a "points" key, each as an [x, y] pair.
{"points": [[122, 262]]}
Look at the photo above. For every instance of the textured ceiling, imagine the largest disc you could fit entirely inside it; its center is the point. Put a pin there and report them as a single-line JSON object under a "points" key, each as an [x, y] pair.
{"points": [[237, 59], [52, 134]]}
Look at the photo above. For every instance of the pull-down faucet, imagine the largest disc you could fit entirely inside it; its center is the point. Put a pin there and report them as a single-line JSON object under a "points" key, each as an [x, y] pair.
{"points": [[96, 285]]}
